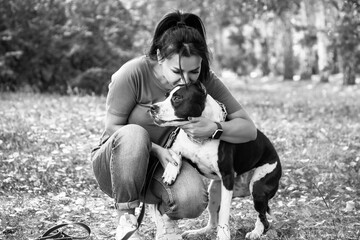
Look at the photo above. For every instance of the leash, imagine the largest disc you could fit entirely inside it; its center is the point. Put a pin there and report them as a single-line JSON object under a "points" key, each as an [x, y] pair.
{"points": [[171, 138], [142, 211], [55, 234]]}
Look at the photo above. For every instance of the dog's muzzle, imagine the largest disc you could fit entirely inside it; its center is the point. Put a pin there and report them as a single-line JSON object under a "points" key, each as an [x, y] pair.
{"points": [[154, 109], [154, 113]]}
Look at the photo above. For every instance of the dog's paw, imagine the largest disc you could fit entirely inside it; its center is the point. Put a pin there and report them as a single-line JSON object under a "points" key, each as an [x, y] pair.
{"points": [[253, 235], [170, 173], [257, 232], [223, 233], [195, 233], [172, 170]]}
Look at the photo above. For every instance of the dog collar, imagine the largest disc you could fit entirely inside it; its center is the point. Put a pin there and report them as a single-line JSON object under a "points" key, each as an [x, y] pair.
{"points": [[198, 140], [171, 138], [223, 110]]}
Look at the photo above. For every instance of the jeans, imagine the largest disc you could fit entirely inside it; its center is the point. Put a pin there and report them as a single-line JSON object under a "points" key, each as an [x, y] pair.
{"points": [[121, 166]]}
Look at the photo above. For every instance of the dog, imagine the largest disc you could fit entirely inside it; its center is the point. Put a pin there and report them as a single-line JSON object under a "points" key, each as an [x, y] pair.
{"points": [[255, 164]]}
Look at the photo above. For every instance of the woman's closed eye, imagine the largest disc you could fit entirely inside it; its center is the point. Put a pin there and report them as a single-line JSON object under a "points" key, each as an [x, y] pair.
{"points": [[191, 72]]}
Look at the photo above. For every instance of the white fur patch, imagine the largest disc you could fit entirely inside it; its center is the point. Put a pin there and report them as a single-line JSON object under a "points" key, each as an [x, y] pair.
{"points": [[258, 230], [213, 110], [261, 172], [166, 110], [172, 171], [203, 155]]}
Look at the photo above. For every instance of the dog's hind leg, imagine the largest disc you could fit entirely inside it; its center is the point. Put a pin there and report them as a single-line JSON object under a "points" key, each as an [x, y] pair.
{"points": [[213, 210], [263, 187], [261, 206], [223, 229]]}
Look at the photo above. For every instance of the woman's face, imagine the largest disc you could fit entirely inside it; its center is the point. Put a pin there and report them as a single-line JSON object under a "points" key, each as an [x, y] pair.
{"points": [[190, 69]]}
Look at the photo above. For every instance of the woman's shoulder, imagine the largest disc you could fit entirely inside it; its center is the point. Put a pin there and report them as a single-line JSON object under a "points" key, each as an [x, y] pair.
{"points": [[132, 68], [136, 63], [213, 80]]}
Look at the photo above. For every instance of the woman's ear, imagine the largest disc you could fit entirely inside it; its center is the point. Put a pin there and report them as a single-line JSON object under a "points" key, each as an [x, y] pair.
{"points": [[159, 57]]}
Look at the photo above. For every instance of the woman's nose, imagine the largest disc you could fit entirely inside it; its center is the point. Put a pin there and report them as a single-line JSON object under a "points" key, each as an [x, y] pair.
{"points": [[185, 79]]}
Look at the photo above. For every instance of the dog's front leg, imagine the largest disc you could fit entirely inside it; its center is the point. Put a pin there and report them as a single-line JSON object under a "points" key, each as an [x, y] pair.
{"points": [[213, 209], [171, 170], [223, 229]]}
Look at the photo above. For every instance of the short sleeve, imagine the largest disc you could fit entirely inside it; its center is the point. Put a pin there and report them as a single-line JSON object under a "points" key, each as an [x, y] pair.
{"points": [[122, 95], [217, 89]]}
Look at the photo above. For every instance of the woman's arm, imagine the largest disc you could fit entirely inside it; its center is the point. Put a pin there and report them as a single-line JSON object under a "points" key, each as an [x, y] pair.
{"points": [[114, 123], [164, 155], [238, 129]]}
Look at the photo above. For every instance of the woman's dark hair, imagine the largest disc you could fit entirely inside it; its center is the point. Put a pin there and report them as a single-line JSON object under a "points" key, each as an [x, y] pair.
{"points": [[183, 34]]}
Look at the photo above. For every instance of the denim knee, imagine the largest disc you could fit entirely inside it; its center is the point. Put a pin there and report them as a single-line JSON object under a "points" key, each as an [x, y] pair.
{"points": [[191, 201], [133, 135], [120, 164], [186, 198]]}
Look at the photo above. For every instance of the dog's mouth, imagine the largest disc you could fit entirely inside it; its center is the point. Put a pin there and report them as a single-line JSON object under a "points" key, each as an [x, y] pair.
{"points": [[158, 121], [161, 122]]}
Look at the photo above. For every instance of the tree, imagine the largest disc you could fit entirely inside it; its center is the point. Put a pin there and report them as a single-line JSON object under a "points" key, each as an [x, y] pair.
{"points": [[288, 46], [29, 57], [49, 44], [322, 42], [284, 11], [307, 56], [347, 37]]}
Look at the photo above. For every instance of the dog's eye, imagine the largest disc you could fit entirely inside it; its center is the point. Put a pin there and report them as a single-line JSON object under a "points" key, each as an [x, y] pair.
{"points": [[167, 94], [176, 99]]}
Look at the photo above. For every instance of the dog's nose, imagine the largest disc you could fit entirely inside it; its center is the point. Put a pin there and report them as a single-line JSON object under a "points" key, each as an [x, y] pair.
{"points": [[154, 108]]}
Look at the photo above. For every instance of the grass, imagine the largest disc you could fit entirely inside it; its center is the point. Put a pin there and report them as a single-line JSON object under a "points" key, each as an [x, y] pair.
{"points": [[46, 177]]}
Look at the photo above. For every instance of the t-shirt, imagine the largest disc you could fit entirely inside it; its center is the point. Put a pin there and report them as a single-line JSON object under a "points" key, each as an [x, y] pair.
{"points": [[134, 87]]}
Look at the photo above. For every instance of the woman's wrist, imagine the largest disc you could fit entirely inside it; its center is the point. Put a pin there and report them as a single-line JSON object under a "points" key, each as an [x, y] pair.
{"points": [[155, 149]]}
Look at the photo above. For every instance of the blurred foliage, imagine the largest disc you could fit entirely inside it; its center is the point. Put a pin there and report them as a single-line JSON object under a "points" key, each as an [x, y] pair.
{"points": [[47, 44], [347, 37], [74, 46]]}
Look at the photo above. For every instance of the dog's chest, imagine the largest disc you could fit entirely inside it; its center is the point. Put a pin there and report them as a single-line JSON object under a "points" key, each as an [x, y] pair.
{"points": [[204, 156]]}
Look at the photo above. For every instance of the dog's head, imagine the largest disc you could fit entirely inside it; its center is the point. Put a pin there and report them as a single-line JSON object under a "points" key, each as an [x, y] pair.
{"points": [[181, 103]]}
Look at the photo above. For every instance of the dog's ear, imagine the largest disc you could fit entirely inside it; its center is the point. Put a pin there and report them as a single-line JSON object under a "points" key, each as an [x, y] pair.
{"points": [[202, 87]]}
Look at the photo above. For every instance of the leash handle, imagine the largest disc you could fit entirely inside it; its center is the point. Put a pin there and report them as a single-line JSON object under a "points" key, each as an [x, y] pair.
{"points": [[59, 235]]}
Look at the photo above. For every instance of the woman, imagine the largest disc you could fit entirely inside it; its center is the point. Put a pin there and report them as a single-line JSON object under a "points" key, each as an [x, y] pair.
{"points": [[132, 144]]}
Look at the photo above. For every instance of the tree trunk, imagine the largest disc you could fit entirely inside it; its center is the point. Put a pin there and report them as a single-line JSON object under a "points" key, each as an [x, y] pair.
{"points": [[322, 43], [306, 64], [349, 71], [265, 58], [306, 56], [288, 47]]}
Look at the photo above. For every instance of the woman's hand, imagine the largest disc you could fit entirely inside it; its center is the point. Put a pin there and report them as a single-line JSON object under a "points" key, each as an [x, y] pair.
{"points": [[166, 156], [199, 127], [238, 128]]}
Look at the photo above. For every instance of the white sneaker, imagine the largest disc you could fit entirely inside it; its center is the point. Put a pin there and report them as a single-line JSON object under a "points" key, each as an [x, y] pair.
{"points": [[166, 229], [127, 223]]}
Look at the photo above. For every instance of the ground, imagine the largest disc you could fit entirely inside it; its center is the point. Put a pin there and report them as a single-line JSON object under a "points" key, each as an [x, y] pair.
{"points": [[46, 176]]}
